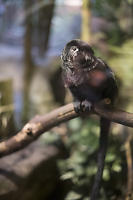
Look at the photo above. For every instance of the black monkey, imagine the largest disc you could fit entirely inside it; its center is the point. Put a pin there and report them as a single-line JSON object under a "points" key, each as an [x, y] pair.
{"points": [[90, 80]]}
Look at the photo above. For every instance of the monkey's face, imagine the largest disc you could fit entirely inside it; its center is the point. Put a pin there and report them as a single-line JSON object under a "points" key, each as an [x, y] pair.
{"points": [[77, 54]]}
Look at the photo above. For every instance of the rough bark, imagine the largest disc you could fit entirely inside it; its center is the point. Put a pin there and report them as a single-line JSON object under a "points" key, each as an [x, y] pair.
{"points": [[39, 124]]}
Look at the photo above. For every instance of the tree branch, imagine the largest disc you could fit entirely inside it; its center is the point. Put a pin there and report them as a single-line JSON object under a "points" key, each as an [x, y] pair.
{"points": [[40, 124]]}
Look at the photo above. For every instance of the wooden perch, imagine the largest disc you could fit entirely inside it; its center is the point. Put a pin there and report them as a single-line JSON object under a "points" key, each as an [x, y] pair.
{"points": [[40, 124]]}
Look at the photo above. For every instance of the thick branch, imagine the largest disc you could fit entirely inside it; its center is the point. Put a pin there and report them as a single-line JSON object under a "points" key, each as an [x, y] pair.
{"points": [[38, 125]]}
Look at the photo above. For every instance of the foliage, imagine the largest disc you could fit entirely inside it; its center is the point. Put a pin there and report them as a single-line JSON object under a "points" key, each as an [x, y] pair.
{"points": [[122, 64], [79, 169], [119, 21]]}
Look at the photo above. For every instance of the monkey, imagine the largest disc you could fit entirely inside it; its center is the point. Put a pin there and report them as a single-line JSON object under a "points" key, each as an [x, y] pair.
{"points": [[90, 80]]}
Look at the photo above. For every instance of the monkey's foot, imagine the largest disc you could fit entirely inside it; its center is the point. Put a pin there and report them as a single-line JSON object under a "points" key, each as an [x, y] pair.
{"points": [[84, 106], [77, 107]]}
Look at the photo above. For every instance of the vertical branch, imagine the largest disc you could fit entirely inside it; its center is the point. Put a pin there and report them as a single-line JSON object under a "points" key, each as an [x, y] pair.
{"points": [[28, 60], [86, 21], [45, 14], [7, 123], [28, 35], [129, 166]]}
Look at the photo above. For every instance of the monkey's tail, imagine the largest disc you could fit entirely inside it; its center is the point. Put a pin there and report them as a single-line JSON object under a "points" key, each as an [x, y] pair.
{"points": [[103, 144]]}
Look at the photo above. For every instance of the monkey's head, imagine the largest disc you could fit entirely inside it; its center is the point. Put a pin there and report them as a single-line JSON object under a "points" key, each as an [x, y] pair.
{"points": [[77, 54]]}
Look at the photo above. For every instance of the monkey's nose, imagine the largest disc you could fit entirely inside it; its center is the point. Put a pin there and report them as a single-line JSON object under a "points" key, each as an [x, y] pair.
{"points": [[74, 52]]}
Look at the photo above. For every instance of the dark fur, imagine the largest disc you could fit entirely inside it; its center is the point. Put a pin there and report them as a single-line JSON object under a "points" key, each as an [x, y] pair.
{"points": [[77, 74], [89, 79]]}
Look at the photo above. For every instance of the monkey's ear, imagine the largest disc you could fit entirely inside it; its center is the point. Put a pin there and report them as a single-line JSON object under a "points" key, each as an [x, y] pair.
{"points": [[91, 50], [88, 48]]}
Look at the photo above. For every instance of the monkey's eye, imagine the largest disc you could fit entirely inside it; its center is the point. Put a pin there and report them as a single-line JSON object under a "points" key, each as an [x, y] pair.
{"points": [[74, 48]]}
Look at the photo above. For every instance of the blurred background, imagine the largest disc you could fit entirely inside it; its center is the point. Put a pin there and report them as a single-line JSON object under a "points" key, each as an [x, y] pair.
{"points": [[61, 164]]}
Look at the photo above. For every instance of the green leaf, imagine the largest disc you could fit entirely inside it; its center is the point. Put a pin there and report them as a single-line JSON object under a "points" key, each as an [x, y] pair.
{"points": [[73, 196]]}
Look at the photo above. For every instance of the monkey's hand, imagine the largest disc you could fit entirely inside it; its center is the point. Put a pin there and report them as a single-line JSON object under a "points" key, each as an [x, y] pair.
{"points": [[82, 106]]}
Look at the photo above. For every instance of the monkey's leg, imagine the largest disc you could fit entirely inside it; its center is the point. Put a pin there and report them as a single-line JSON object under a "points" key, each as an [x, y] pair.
{"points": [[103, 143]]}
